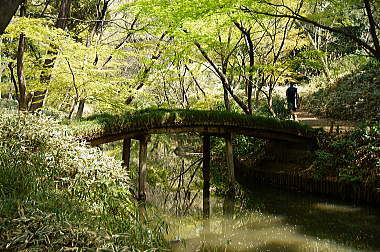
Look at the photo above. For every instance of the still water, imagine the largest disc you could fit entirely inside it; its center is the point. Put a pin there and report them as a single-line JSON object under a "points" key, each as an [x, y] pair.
{"points": [[283, 221]]}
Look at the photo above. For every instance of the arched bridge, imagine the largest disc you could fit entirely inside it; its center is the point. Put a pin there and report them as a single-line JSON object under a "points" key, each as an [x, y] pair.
{"points": [[105, 128]]}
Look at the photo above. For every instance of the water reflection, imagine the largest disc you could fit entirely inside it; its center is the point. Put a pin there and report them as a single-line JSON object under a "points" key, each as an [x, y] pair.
{"points": [[336, 207], [284, 221]]}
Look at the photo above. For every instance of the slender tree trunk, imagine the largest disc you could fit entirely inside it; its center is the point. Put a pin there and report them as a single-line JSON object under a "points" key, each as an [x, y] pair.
{"points": [[270, 101], [72, 107], [23, 106], [251, 54], [260, 86], [229, 201], [126, 154], [227, 103], [80, 108], [142, 175], [372, 29], [13, 79], [206, 183], [45, 77], [22, 103]]}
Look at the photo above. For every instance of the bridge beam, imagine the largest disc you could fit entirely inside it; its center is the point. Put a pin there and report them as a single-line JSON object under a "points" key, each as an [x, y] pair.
{"points": [[206, 182], [229, 202], [126, 154], [142, 172]]}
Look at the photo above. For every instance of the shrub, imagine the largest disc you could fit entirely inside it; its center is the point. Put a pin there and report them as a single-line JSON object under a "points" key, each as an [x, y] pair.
{"points": [[353, 95], [57, 193], [353, 157]]}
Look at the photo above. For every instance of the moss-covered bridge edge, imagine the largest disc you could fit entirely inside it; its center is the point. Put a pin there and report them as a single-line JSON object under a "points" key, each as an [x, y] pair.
{"points": [[104, 128]]}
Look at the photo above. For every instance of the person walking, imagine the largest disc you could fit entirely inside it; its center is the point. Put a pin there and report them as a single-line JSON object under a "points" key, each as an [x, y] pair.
{"points": [[292, 99]]}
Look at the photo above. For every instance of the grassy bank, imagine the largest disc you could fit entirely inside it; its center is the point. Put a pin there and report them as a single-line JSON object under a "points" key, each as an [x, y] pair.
{"points": [[352, 92]]}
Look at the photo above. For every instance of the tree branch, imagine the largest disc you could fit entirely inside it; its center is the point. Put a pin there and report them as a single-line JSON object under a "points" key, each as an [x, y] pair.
{"points": [[301, 18]]}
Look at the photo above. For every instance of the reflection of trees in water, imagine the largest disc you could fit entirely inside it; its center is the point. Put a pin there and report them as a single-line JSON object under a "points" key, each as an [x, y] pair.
{"points": [[316, 216], [175, 185], [175, 173]]}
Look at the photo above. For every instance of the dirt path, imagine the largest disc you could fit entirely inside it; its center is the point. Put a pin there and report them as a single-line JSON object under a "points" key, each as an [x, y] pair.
{"points": [[328, 124]]}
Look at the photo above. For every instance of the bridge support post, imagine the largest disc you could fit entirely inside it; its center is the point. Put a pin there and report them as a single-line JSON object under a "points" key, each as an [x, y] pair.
{"points": [[126, 154], [142, 173], [206, 183], [229, 202]]}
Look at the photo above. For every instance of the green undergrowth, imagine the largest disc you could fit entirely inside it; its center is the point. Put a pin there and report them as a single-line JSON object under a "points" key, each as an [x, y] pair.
{"points": [[353, 94], [104, 124], [58, 194], [353, 157]]}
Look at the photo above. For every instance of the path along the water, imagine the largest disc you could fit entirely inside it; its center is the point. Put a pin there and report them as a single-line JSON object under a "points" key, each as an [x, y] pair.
{"points": [[328, 124]]}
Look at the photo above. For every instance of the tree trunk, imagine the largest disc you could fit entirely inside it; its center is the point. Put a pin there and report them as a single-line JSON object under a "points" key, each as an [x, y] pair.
{"points": [[63, 15], [206, 183], [45, 77], [80, 108], [251, 54], [270, 102], [142, 170], [372, 29], [22, 103], [13, 79], [260, 86], [229, 202], [72, 107], [126, 154], [7, 11], [38, 99], [227, 103]]}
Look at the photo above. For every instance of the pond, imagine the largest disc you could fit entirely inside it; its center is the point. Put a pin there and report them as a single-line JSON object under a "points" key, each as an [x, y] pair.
{"points": [[282, 221]]}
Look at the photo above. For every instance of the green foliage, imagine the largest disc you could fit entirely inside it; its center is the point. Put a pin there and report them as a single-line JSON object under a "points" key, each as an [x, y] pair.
{"points": [[354, 95], [279, 106], [354, 157], [325, 162], [57, 193]]}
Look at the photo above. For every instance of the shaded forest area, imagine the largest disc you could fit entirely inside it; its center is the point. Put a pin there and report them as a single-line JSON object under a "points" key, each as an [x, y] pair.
{"points": [[61, 60]]}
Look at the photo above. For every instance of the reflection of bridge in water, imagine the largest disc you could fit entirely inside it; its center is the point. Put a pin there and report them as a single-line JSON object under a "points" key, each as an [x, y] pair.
{"points": [[101, 129]]}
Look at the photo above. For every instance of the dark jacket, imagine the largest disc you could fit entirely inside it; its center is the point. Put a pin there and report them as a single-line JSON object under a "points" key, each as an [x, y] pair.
{"points": [[291, 97]]}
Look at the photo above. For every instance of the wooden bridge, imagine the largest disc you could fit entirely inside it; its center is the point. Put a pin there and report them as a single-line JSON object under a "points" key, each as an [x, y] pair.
{"points": [[100, 129]]}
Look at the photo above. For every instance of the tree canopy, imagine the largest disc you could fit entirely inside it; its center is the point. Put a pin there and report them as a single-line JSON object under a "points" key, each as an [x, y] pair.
{"points": [[108, 55]]}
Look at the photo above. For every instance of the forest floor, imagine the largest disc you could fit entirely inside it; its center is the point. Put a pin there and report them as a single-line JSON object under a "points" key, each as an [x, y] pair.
{"points": [[328, 124]]}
